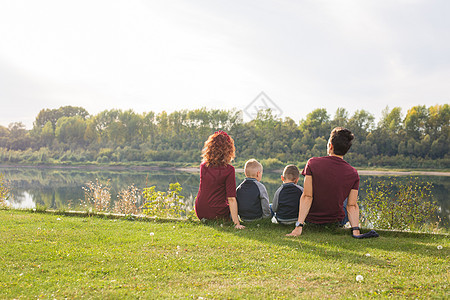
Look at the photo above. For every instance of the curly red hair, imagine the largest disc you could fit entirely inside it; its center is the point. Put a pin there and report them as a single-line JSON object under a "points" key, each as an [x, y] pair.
{"points": [[219, 149]]}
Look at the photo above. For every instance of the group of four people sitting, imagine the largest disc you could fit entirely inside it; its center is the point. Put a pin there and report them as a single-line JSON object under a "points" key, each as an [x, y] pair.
{"points": [[329, 193]]}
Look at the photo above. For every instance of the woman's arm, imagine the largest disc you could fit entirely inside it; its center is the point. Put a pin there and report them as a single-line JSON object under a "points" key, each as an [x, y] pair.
{"points": [[234, 212]]}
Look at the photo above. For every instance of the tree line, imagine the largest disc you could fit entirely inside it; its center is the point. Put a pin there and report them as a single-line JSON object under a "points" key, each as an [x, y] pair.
{"points": [[70, 134]]}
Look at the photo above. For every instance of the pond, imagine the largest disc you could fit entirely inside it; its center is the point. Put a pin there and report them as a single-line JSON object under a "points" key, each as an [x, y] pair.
{"points": [[62, 187]]}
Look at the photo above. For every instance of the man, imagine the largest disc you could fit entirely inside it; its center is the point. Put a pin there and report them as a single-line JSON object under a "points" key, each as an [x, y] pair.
{"points": [[331, 187]]}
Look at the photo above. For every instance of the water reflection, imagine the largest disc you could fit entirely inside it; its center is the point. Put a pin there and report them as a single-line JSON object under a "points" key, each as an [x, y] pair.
{"points": [[24, 200], [62, 187]]}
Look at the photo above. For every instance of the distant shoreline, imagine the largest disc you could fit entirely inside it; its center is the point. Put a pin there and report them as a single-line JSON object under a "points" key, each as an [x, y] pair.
{"points": [[403, 173], [238, 170], [360, 172]]}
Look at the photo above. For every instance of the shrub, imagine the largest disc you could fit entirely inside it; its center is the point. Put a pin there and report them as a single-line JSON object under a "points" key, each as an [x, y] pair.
{"points": [[102, 159], [402, 206], [164, 204], [105, 152]]}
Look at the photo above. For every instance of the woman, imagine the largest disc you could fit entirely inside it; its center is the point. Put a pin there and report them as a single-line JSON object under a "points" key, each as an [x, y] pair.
{"points": [[216, 198]]}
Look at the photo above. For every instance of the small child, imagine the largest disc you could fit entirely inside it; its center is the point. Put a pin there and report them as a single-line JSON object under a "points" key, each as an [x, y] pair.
{"points": [[286, 201], [251, 194]]}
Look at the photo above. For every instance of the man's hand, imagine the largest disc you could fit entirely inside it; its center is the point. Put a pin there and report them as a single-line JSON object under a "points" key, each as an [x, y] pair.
{"points": [[239, 226], [296, 232], [304, 205]]}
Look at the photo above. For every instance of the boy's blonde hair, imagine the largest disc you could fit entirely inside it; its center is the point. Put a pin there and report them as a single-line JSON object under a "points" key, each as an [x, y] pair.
{"points": [[252, 166], [291, 173]]}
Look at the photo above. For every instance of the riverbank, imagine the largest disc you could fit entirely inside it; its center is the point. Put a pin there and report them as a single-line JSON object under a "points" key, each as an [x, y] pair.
{"points": [[190, 169], [51, 256]]}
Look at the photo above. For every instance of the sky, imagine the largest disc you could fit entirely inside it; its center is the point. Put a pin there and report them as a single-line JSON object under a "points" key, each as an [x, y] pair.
{"points": [[172, 55]]}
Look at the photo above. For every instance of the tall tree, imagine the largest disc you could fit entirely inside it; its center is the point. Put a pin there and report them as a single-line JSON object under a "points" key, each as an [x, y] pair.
{"points": [[415, 122], [18, 138], [438, 122], [340, 118], [361, 123], [391, 121], [71, 130], [317, 123], [52, 115], [4, 135], [47, 134]]}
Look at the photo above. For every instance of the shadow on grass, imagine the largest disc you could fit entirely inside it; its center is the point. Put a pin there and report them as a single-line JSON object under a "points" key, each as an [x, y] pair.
{"points": [[332, 243]]}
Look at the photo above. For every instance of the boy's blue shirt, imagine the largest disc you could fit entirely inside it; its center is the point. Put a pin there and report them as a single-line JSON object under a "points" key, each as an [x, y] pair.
{"points": [[286, 200], [252, 199]]}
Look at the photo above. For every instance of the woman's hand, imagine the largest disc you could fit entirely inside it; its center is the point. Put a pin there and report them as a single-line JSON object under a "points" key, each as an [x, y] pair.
{"points": [[234, 213]]}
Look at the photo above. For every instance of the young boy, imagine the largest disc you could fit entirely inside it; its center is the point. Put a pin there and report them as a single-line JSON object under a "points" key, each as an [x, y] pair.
{"points": [[251, 194], [285, 204]]}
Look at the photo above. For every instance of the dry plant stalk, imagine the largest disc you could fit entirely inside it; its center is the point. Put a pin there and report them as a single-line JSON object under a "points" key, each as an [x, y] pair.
{"points": [[127, 201], [97, 196], [5, 192]]}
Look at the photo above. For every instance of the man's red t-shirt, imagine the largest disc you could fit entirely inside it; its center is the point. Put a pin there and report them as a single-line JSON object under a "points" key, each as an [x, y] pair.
{"points": [[333, 179], [216, 185]]}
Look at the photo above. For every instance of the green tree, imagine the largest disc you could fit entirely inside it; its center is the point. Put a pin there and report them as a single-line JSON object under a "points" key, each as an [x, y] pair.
{"points": [[70, 130], [131, 127], [148, 126], [4, 136], [439, 148], [91, 135], [361, 123], [47, 134], [53, 115], [391, 121], [438, 122], [320, 147], [18, 138], [389, 133], [415, 121], [104, 125], [340, 118], [317, 123]]}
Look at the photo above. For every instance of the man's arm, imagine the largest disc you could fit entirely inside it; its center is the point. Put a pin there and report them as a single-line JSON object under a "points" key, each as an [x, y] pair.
{"points": [[234, 213], [305, 204], [353, 210]]}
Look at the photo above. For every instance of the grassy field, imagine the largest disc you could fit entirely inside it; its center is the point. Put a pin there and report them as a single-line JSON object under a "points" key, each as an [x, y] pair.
{"points": [[50, 256]]}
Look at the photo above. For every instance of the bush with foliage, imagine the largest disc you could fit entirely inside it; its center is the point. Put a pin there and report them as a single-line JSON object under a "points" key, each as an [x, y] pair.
{"points": [[165, 204], [407, 206]]}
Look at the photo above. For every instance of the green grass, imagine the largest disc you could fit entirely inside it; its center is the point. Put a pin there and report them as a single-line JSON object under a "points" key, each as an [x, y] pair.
{"points": [[50, 256]]}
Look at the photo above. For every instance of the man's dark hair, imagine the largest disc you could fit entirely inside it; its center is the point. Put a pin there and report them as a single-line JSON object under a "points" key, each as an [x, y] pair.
{"points": [[341, 139], [291, 172]]}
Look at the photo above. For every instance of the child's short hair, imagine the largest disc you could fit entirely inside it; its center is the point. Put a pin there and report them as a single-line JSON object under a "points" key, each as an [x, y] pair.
{"points": [[252, 166], [291, 172]]}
